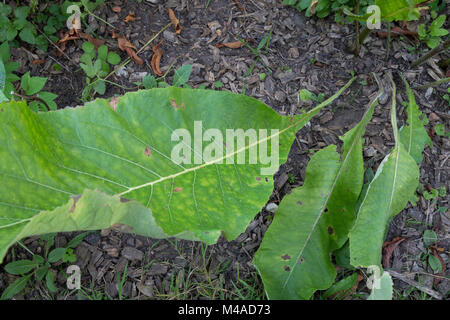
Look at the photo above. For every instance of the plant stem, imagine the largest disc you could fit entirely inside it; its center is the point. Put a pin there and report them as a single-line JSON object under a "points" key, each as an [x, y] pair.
{"points": [[36, 98], [432, 84], [357, 43], [388, 44], [431, 53]]}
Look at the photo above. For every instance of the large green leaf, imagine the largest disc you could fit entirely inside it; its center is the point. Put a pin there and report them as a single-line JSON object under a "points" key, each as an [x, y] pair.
{"points": [[294, 257], [394, 184], [123, 148], [396, 10], [414, 136]]}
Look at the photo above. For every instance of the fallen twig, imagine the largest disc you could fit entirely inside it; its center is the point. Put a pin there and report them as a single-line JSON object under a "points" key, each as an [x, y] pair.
{"points": [[415, 284]]}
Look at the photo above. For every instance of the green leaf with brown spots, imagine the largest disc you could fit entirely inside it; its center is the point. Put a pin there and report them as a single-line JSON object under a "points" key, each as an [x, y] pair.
{"points": [[137, 147], [313, 220]]}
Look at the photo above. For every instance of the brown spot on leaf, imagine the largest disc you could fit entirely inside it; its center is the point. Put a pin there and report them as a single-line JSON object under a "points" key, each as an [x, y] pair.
{"points": [[301, 261], [258, 179], [342, 210], [177, 189], [113, 103], [148, 151], [124, 200], [74, 204], [267, 180], [174, 104], [326, 210], [322, 195], [299, 203], [330, 230], [286, 257], [286, 268]]}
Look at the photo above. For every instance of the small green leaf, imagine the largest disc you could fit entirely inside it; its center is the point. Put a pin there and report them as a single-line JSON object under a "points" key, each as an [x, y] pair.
{"points": [[40, 273], [113, 58], [49, 98], [50, 281], [27, 35], [102, 52], [77, 240], [434, 263], [100, 86], [87, 47], [32, 85], [149, 82], [21, 12], [429, 238], [433, 42], [181, 75], [56, 254], [438, 22], [20, 266], [4, 52], [440, 129]]}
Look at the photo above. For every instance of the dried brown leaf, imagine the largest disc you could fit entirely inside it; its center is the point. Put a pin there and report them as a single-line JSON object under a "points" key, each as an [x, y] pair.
{"points": [[388, 249], [130, 17], [231, 45], [156, 59], [174, 21]]}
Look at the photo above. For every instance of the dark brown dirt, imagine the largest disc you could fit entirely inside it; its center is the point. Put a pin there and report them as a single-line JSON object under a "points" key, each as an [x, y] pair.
{"points": [[303, 53]]}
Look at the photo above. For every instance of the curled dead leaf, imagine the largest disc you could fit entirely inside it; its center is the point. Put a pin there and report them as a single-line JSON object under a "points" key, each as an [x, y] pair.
{"points": [[388, 249], [130, 17], [126, 46], [174, 21], [231, 45], [38, 61], [156, 59]]}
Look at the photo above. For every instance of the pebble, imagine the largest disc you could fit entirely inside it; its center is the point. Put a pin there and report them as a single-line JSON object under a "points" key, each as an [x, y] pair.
{"points": [[272, 207], [122, 72], [293, 53], [137, 76], [170, 36], [280, 96]]}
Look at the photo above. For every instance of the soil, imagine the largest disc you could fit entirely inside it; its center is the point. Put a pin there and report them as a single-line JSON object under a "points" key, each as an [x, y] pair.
{"points": [[304, 53]]}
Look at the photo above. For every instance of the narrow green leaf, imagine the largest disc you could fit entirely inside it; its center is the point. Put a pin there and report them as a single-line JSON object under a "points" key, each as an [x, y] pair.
{"points": [[50, 281], [15, 288], [344, 285], [414, 136], [56, 254], [20, 266], [313, 220], [394, 184]]}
